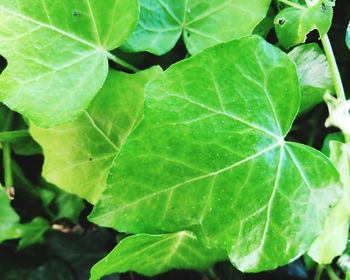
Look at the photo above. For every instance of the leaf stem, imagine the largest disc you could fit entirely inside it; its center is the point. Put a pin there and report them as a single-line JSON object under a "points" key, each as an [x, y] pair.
{"points": [[338, 84], [292, 4], [122, 62], [7, 165], [331, 273], [319, 271], [12, 136]]}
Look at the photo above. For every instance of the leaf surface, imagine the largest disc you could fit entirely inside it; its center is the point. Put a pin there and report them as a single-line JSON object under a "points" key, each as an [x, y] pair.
{"points": [[333, 240], [210, 157], [79, 154], [32, 232], [293, 25], [202, 23], [314, 74], [57, 53], [153, 254], [8, 218]]}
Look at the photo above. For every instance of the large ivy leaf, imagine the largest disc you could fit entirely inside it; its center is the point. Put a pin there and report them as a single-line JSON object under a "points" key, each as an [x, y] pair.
{"points": [[8, 218], [333, 240], [153, 254], [210, 156], [314, 74], [57, 53], [203, 23], [293, 25], [76, 150]]}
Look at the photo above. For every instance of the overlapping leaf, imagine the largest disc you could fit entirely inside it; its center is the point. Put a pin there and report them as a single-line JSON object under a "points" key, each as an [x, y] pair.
{"points": [[8, 218], [57, 53], [153, 254], [210, 156], [294, 24], [314, 74], [203, 23], [333, 240], [79, 154]]}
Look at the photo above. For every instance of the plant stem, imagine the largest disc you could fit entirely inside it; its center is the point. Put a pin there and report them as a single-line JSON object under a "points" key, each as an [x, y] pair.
{"points": [[331, 273], [11, 136], [292, 4], [122, 62], [7, 165], [338, 84], [319, 271]]}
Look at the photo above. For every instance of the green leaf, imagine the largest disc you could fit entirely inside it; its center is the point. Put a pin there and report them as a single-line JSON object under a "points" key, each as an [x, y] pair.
{"points": [[210, 156], [332, 242], [202, 23], [347, 36], [79, 154], [293, 25], [8, 218], [57, 53], [81, 250], [314, 74], [154, 254], [69, 206], [32, 232], [336, 136]]}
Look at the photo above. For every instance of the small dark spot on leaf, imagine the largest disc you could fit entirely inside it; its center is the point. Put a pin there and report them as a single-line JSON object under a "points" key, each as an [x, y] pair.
{"points": [[281, 21], [90, 159], [76, 13], [324, 7], [187, 34]]}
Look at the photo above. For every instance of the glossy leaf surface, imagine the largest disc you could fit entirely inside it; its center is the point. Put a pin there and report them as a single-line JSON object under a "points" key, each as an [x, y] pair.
{"points": [[76, 150], [203, 23], [153, 254], [210, 156], [57, 53]]}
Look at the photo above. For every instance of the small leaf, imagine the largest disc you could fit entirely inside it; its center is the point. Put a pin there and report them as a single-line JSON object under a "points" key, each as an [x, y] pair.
{"points": [[57, 53], [32, 232], [154, 254], [314, 74], [332, 242], [203, 23], [210, 155], [293, 25], [69, 206], [8, 217], [79, 154]]}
